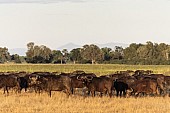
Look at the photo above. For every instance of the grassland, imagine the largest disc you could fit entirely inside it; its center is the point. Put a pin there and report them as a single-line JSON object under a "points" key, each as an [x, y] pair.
{"points": [[98, 69], [59, 103]]}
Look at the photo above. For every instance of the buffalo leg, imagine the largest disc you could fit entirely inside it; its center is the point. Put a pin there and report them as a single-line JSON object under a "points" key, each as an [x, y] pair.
{"points": [[18, 90], [68, 92], [117, 93], [110, 93], [88, 93], [6, 89], [124, 93], [105, 93], [93, 93], [120, 93], [101, 94], [25, 89], [72, 91], [49, 93]]}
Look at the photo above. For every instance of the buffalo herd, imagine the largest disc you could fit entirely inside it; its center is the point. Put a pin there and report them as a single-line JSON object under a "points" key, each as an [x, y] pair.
{"points": [[138, 83]]}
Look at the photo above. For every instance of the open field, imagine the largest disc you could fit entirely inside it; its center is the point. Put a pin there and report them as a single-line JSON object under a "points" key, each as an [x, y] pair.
{"points": [[59, 103], [98, 69]]}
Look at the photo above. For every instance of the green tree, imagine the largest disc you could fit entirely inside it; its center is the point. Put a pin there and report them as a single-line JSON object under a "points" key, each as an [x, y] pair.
{"points": [[4, 55], [118, 53], [75, 55], [142, 52], [57, 55], [106, 53], [150, 48], [130, 53], [38, 54], [30, 52], [15, 58], [66, 55], [92, 52], [164, 50]]}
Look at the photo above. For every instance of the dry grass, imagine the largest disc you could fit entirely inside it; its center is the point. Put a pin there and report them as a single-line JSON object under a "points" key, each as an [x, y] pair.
{"points": [[59, 103]]}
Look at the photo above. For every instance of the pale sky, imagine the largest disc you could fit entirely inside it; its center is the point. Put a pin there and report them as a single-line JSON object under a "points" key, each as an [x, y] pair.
{"points": [[57, 22]]}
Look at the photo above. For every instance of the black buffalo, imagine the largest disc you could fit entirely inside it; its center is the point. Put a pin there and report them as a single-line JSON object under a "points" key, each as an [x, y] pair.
{"points": [[120, 88], [23, 83]]}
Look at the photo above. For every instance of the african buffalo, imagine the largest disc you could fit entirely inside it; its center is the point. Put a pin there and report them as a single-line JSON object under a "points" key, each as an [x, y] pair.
{"points": [[9, 81], [144, 87], [54, 83], [100, 84], [120, 87]]}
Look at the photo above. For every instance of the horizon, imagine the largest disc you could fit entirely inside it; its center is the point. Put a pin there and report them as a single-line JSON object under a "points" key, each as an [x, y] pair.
{"points": [[68, 46], [55, 23], [71, 45]]}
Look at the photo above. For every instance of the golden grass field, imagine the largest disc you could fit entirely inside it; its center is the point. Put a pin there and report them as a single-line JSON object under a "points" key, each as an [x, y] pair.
{"points": [[59, 103]]}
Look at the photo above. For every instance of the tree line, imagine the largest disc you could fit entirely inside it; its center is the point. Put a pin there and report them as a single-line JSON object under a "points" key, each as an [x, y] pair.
{"points": [[136, 54]]}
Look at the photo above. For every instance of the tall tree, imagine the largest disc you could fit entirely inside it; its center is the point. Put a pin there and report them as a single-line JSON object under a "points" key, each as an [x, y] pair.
{"points": [[118, 54], [57, 55], [92, 52], [164, 51], [65, 55], [38, 54], [4, 55], [107, 53], [130, 53], [15, 58], [75, 55], [30, 52]]}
